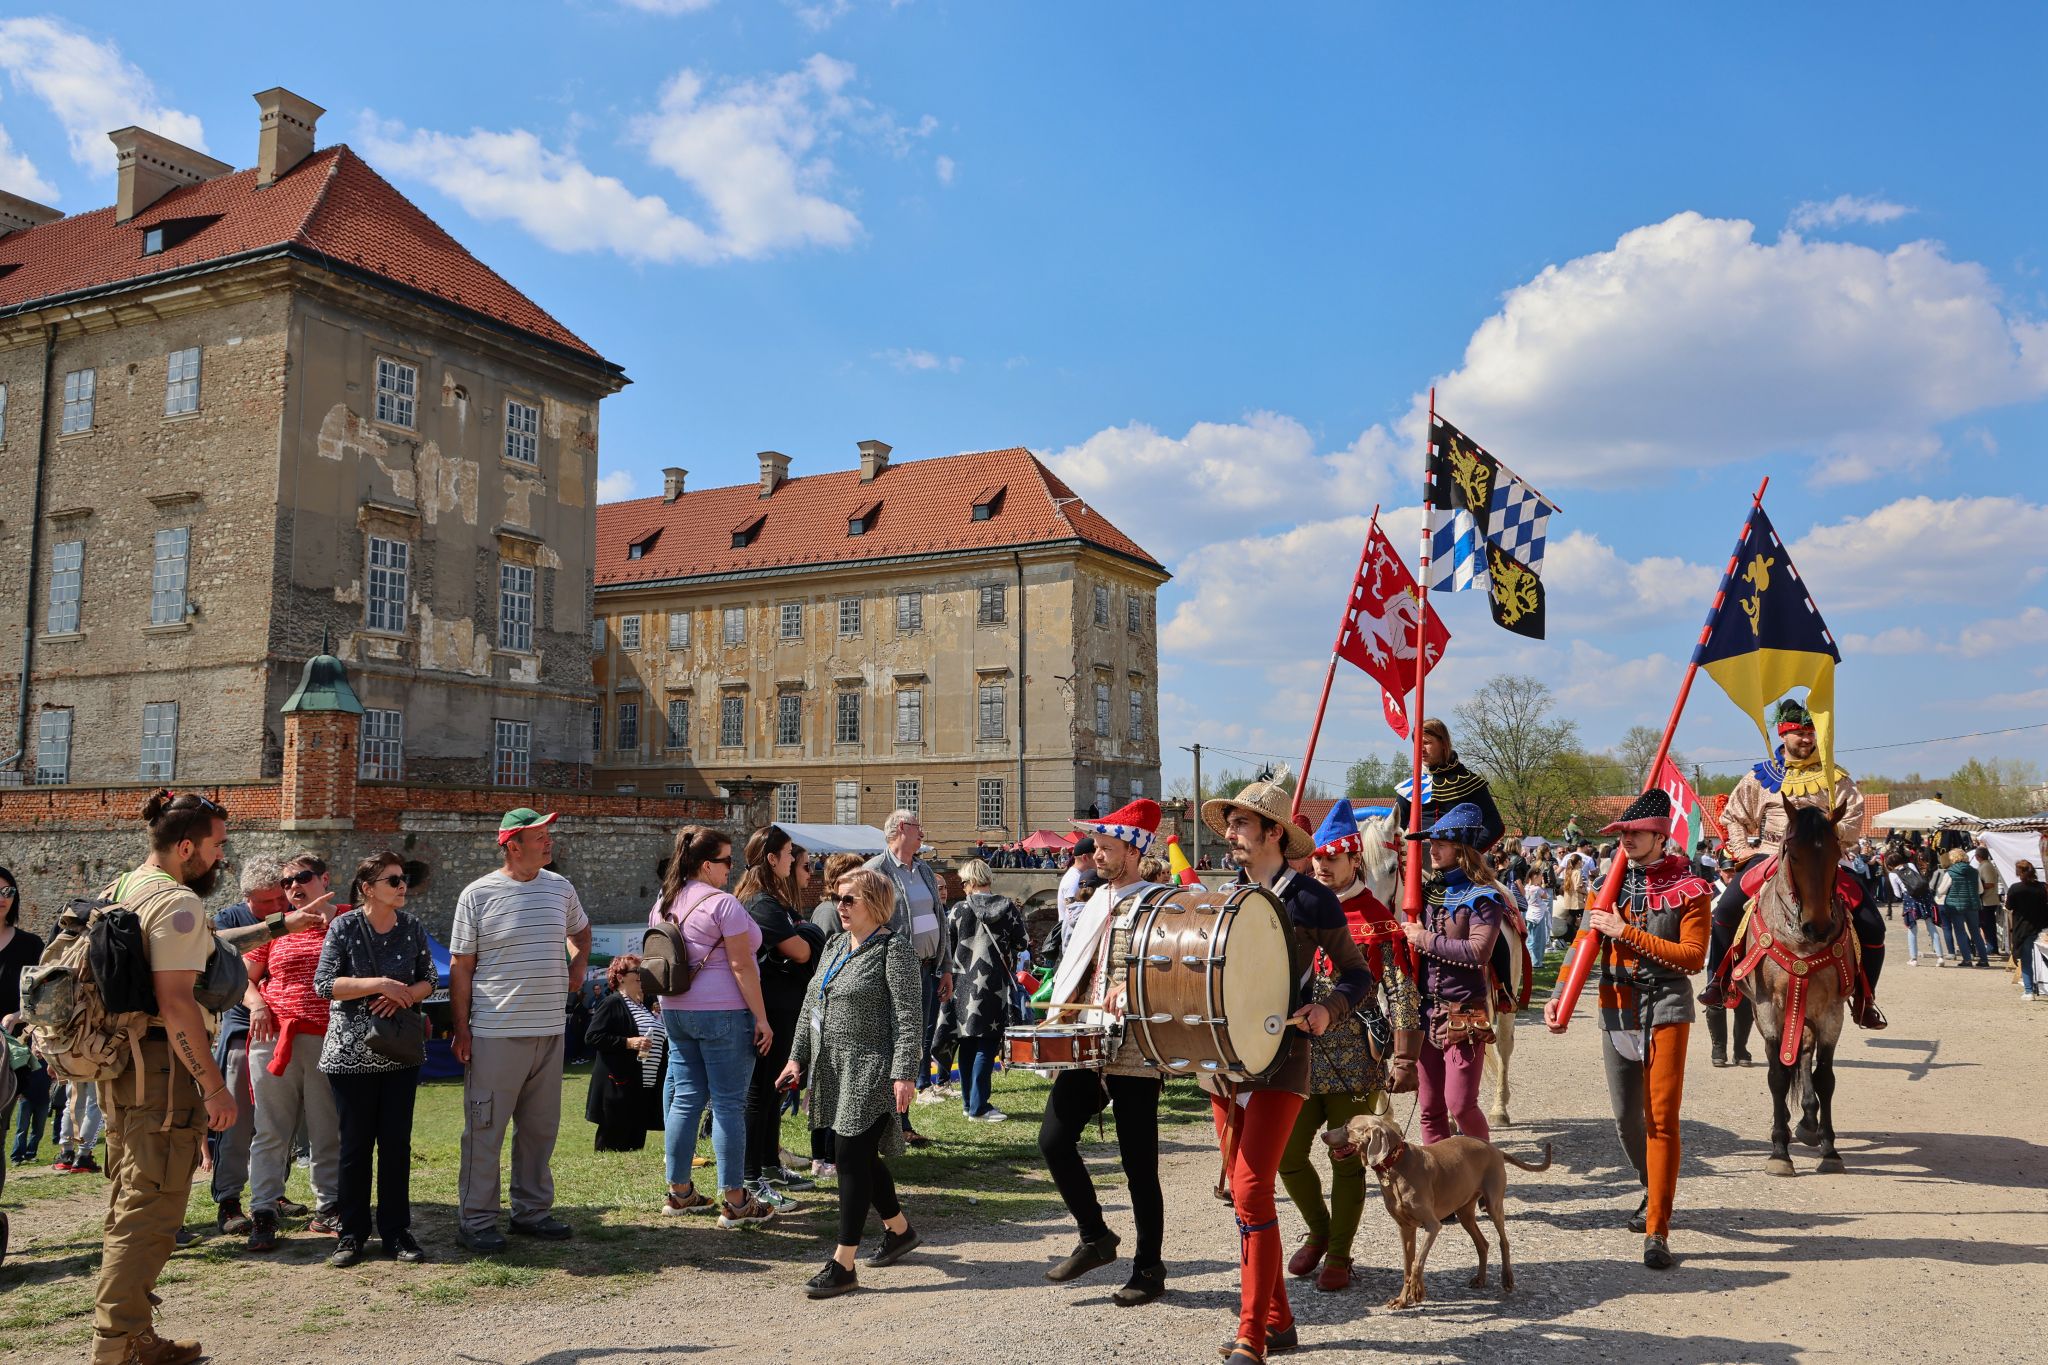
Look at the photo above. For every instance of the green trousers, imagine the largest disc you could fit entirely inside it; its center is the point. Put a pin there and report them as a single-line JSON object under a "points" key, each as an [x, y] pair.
{"points": [[1336, 1225]]}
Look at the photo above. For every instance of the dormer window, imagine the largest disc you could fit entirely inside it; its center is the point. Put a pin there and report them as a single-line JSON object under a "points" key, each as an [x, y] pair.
{"points": [[174, 232], [988, 502], [863, 521], [638, 547], [748, 531]]}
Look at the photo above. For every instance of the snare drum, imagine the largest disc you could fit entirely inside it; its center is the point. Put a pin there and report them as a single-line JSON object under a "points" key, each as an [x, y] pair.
{"points": [[1057, 1047], [1208, 983]]}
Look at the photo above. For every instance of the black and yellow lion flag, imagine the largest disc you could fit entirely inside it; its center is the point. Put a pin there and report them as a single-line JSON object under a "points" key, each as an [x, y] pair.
{"points": [[1487, 529]]}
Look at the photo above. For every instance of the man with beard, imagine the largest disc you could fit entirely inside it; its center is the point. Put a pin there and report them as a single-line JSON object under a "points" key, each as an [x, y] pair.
{"points": [[154, 1137], [1447, 782], [1100, 938]]}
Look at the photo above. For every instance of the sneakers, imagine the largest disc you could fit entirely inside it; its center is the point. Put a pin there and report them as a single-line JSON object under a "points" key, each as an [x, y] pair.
{"points": [[824, 1170], [895, 1246], [829, 1283], [347, 1252], [546, 1227], [1086, 1256], [483, 1241], [788, 1179], [85, 1165], [930, 1096], [262, 1232], [775, 1199], [687, 1202], [62, 1165], [231, 1221], [404, 1249], [291, 1208], [1657, 1254], [147, 1348], [989, 1115], [327, 1222], [749, 1212], [791, 1161]]}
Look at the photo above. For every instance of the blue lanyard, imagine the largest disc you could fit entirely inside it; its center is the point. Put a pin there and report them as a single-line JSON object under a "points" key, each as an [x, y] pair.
{"points": [[834, 969]]}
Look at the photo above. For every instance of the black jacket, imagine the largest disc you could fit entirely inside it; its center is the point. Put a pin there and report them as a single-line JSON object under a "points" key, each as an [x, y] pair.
{"points": [[621, 1104], [783, 979]]}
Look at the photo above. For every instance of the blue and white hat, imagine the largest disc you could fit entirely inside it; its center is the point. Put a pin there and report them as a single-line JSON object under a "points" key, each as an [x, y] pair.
{"points": [[1461, 824], [1137, 824]]}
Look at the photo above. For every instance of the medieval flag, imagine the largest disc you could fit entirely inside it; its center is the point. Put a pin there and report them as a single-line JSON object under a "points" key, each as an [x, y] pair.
{"points": [[1688, 812], [1764, 637], [1379, 630], [1487, 530]]}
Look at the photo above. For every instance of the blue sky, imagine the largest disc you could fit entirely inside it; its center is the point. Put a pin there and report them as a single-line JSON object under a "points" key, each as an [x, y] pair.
{"points": [[1207, 259]]}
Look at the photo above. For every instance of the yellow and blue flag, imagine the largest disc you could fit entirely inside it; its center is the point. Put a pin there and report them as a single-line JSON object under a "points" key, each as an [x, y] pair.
{"points": [[1765, 637]]}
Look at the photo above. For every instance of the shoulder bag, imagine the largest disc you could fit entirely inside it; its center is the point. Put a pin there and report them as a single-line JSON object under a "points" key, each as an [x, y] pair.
{"points": [[400, 1037]]}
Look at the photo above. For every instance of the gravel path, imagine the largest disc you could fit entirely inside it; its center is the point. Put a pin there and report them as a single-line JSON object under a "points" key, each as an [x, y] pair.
{"points": [[1928, 1248]]}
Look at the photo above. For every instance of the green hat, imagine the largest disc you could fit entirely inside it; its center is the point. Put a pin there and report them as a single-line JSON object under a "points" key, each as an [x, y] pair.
{"points": [[524, 818], [1793, 716]]}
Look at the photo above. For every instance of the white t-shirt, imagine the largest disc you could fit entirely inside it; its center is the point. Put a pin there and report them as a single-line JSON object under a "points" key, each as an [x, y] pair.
{"points": [[518, 932]]}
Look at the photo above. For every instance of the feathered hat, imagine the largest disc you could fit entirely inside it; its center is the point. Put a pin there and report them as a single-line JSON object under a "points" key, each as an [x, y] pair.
{"points": [[1271, 795]]}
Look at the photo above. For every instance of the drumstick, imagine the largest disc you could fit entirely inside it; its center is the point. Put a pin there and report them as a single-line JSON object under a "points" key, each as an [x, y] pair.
{"points": [[1071, 1005]]}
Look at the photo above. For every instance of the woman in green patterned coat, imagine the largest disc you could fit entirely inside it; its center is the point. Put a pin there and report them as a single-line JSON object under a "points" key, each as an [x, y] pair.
{"points": [[858, 1041]]}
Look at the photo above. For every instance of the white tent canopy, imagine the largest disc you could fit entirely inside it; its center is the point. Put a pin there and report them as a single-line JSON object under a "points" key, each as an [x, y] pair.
{"points": [[1924, 814], [834, 838]]}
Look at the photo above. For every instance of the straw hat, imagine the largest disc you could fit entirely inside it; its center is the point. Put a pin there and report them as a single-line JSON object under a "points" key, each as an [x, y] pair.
{"points": [[1272, 796]]}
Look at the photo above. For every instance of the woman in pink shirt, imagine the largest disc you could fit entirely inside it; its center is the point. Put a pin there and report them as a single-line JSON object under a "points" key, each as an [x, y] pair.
{"points": [[715, 1028]]}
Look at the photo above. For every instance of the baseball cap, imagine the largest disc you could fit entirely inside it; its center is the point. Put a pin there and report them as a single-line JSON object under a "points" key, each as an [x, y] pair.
{"points": [[524, 818]]}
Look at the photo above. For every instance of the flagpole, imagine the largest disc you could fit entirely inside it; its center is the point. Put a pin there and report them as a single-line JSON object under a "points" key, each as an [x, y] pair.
{"points": [[1578, 963], [1411, 877], [1315, 730]]}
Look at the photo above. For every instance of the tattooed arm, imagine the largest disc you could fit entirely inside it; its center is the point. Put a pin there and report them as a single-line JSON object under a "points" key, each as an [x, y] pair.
{"points": [[185, 1025]]}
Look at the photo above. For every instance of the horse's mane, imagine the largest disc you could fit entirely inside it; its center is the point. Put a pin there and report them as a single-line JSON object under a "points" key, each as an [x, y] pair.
{"points": [[1375, 834], [1810, 827]]}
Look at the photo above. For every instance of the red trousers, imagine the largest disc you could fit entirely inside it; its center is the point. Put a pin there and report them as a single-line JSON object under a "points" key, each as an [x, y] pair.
{"points": [[1264, 1125]]}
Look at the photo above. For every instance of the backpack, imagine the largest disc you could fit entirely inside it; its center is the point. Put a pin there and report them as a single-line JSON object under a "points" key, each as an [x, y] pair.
{"points": [[88, 999], [665, 966], [1915, 884]]}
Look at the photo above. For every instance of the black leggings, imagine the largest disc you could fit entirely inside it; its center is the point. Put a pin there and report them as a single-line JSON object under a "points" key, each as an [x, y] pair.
{"points": [[764, 1101], [1078, 1096], [375, 1110], [1728, 914], [864, 1181]]}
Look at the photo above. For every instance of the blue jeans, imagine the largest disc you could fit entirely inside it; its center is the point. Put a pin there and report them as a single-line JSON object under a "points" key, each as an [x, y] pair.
{"points": [[1965, 934], [710, 1061], [1917, 915], [1539, 940], [977, 1071], [2023, 949]]}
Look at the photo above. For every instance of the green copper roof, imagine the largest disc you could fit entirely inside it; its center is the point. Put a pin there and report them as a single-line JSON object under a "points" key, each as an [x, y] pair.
{"points": [[324, 687]]}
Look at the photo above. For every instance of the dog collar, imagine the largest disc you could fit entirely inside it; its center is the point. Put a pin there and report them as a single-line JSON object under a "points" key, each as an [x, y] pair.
{"points": [[1394, 1154]]}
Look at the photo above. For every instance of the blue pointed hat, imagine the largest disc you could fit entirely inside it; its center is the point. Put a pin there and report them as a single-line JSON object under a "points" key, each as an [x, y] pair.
{"points": [[1462, 824], [1339, 833]]}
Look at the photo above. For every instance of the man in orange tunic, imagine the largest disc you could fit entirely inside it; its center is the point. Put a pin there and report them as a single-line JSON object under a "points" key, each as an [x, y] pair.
{"points": [[1654, 940]]}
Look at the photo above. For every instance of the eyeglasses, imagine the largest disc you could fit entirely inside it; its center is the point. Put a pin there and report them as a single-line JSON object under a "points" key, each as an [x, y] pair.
{"points": [[291, 879], [849, 900], [7, 893], [394, 881]]}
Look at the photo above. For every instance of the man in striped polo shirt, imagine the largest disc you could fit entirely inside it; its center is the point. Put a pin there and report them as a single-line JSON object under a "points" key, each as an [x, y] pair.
{"points": [[509, 981]]}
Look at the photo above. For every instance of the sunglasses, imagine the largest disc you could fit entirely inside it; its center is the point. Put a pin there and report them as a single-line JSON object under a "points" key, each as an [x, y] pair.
{"points": [[394, 881], [290, 879], [849, 900], [7, 893], [726, 861]]}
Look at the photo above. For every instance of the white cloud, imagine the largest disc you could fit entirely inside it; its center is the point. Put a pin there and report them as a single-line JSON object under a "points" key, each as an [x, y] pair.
{"points": [[19, 175], [668, 6], [552, 195], [90, 87], [822, 15], [1589, 586], [914, 361], [1691, 344], [1994, 636], [1920, 551], [751, 153], [946, 168], [1908, 640], [1222, 479], [1844, 208], [2036, 701], [615, 486]]}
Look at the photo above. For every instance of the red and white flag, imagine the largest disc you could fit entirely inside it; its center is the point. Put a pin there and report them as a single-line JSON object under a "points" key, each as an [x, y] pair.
{"points": [[1688, 812], [1379, 627]]}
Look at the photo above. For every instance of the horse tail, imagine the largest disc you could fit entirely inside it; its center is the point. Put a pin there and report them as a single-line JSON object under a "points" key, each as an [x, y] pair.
{"points": [[1511, 1157]]}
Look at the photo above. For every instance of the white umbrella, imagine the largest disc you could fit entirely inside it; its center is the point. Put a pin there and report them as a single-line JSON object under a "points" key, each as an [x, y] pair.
{"points": [[1923, 814]]}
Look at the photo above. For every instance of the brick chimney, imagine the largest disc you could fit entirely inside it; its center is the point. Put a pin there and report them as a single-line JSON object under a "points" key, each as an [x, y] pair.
{"points": [[322, 726], [672, 483], [18, 214], [150, 166], [874, 458], [774, 471], [284, 132]]}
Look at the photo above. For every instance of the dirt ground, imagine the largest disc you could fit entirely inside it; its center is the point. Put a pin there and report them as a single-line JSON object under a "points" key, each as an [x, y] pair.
{"points": [[1932, 1246]]}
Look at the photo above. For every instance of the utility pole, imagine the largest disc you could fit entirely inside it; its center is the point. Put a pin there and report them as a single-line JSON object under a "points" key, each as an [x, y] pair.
{"points": [[1196, 750]]}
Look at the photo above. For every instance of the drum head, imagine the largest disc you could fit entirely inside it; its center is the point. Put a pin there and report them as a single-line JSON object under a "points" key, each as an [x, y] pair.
{"points": [[1257, 978]]}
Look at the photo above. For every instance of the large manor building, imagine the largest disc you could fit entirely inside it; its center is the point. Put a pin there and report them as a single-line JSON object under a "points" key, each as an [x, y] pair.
{"points": [[251, 416], [964, 637]]}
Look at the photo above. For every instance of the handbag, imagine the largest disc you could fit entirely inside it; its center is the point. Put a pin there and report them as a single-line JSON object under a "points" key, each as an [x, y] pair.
{"points": [[399, 1037], [1467, 1024]]}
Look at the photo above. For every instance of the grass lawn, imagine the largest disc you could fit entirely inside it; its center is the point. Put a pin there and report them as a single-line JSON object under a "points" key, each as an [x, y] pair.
{"points": [[976, 1172]]}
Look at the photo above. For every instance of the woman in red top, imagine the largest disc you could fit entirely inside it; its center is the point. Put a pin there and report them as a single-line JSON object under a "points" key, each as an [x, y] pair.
{"points": [[287, 1021]]}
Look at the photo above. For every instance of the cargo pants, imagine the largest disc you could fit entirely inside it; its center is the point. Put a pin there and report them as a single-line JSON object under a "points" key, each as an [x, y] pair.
{"points": [[149, 1172]]}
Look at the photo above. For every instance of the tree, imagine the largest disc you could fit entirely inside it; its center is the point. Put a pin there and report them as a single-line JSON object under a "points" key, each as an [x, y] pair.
{"points": [[1636, 751], [1373, 776], [1994, 788], [1532, 760]]}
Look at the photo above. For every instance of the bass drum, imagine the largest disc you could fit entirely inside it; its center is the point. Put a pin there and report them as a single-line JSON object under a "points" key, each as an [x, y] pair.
{"points": [[1209, 982]]}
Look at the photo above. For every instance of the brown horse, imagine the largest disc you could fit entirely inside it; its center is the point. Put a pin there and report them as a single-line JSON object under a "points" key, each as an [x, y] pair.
{"points": [[1804, 921]]}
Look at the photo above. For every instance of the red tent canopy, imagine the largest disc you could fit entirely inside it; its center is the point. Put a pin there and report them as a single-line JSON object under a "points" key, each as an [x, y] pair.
{"points": [[1047, 839]]}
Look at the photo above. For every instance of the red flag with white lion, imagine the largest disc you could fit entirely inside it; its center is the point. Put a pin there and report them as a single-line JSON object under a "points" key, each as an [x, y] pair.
{"points": [[1379, 627]]}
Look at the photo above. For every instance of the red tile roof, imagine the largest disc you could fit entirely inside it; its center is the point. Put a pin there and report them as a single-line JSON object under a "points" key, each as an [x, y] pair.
{"points": [[926, 508], [331, 207]]}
